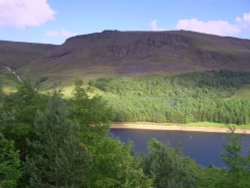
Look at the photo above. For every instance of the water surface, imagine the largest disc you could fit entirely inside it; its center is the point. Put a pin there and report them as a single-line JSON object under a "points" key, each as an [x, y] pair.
{"points": [[204, 148]]}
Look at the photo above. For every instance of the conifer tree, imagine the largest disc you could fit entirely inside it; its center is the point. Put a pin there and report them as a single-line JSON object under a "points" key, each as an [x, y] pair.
{"points": [[9, 164], [115, 166], [239, 165], [19, 111], [93, 115], [57, 159], [168, 168]]}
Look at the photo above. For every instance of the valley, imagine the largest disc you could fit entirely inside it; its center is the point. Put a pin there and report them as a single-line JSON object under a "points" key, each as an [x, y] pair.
{"points": [[80, 103]]}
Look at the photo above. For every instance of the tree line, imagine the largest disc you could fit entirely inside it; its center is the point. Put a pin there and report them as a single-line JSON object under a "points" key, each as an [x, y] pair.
{"points": [[184, 98], [47, 141]]}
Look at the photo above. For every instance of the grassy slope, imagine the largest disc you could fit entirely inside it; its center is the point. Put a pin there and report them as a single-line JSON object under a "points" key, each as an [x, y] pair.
{"points": [[8, 81], [243, 92]]}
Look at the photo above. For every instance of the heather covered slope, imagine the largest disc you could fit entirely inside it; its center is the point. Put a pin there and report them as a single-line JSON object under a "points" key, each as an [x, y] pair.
{"points": [[153, 51], [16, 55]]}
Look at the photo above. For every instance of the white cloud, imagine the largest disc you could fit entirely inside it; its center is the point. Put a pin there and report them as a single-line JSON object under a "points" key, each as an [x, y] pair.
{"points": [[244, 21], [60, 34], [217, 27], [154, 27], [246, 17], [24, 13]]}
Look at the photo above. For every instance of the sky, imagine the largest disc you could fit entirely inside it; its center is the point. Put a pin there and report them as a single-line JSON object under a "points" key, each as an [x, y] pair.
{"points": [[53, 21]]}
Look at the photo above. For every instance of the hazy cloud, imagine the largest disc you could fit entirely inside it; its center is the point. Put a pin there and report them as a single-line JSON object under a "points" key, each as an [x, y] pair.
{"points": [[24, 13], [217, 27], [60, 34], [244, 21], [246, 17], [154, 27]]}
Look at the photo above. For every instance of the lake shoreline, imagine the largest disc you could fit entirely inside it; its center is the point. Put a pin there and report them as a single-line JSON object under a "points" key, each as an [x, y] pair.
{"points": [[156, 127]]}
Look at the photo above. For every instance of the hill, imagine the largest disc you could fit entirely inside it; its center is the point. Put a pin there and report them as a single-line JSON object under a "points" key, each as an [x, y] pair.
{"points": [[115, 53], [19, 54]]}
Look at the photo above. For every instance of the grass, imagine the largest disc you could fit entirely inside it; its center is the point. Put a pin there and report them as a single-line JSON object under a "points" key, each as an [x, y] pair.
{"points": [[8, 90], [64, 79], [8, 81], [243, 92]]}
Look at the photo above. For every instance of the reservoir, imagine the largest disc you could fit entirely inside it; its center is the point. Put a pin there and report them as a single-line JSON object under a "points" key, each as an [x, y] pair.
{"points": [[204, 148]]}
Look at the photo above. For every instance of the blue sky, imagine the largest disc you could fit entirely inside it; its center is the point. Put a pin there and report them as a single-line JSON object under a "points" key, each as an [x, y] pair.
{"points": [[52, 21]]}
